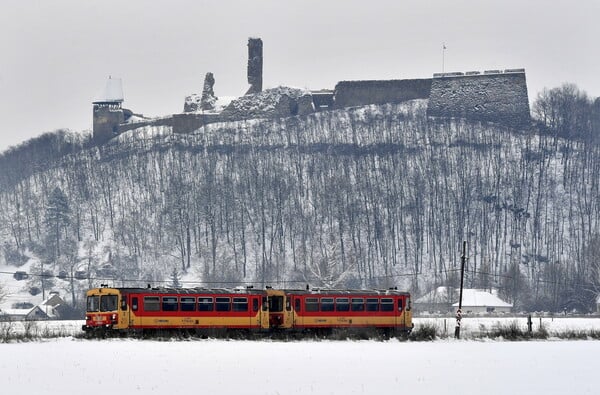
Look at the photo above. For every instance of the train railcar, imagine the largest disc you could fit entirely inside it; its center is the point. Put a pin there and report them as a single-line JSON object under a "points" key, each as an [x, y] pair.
{"points": [[360, 310], [139, 309], [207, 310]]}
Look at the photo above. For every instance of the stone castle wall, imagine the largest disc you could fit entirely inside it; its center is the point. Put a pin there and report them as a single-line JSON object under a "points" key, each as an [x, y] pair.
{"points": [[360, 93], [493, 96]]}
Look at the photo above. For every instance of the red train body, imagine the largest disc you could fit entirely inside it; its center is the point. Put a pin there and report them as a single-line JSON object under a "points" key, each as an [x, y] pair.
{"points": [[209, 310]]}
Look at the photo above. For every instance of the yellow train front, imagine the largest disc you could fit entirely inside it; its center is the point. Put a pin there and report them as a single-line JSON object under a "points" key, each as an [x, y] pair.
{"points": [[213, 311], [145, 309]]}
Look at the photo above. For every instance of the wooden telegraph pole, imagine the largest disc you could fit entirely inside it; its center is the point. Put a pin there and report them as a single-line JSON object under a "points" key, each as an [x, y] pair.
{"points": [[463, 258]]}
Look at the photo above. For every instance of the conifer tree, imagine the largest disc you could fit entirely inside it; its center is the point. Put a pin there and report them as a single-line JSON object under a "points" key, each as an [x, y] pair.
{"points": [[56, 220]]}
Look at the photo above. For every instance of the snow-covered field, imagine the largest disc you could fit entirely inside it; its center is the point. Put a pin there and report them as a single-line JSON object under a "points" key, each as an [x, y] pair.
{"points": [[72, 366], [471, 326], [68, 366]]}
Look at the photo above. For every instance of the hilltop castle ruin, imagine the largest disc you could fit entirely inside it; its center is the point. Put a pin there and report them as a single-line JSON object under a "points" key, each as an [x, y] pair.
{"points": [[498, 96]]}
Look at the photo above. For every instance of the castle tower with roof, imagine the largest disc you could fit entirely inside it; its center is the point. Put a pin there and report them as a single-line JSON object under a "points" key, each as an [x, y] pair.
{"points": [[108, 113]]}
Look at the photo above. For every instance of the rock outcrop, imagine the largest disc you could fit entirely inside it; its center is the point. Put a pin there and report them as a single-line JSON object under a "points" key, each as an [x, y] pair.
{"points": [[208, 100]]}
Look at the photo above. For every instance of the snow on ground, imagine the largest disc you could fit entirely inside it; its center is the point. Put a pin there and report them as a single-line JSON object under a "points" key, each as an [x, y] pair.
{"points": [[68, 366], [470, 327], [475, 326]]}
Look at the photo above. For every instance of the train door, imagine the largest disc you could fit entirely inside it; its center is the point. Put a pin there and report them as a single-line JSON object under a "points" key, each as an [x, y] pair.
{"points": [[124, 320], [263, 314], [280, 314]]}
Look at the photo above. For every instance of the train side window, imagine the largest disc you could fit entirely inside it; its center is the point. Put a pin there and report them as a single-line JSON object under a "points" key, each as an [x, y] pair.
{"points": [[387, 304], [288, 304], [311, 304], [169, 303], [254, 304], [358, 304], [372, 304], [223, 304], [205, 303], [134, 303], [399, 304], [342, 304], [151, 303], [327, 304], [297, 304], [240, 304], [188, 303], [265, 304]]}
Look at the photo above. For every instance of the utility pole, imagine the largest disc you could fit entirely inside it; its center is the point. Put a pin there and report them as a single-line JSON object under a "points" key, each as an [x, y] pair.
{"points": [[463, 258]]}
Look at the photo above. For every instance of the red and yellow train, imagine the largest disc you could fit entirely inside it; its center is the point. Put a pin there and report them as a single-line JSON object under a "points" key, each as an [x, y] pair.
{"points": [[126, 310]]}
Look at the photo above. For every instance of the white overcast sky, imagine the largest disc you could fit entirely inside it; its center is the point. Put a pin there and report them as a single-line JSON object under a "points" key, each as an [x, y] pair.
{"points": [[55, 56]]}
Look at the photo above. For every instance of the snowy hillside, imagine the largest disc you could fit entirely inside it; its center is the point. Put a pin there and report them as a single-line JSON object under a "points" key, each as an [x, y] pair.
{"points": [[373, 196]]}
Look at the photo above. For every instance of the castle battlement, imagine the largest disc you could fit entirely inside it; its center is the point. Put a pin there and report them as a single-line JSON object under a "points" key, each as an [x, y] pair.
{"points": [[498, 96]]}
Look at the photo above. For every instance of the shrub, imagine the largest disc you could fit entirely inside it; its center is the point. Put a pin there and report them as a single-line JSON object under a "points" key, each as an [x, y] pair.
{"points": [[426, 331]]}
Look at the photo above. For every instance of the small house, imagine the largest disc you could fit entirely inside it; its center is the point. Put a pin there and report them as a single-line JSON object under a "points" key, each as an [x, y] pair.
{"points": [[477, 301], [31, 314], [438, 300]]}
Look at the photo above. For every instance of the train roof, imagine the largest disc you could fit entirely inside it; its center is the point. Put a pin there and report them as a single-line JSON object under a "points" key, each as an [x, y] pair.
{"points": [[249, 290], [195, 290], [328, 291]]}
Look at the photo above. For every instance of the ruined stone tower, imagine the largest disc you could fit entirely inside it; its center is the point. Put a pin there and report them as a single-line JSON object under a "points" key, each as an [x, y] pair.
{"points": [[108, 113], [255, 65]]}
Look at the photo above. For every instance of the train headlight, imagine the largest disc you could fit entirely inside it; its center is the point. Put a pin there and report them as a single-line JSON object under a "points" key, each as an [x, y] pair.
{"points": [[114, 316]]}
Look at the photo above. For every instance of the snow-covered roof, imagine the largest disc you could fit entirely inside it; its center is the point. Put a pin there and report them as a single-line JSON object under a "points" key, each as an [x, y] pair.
{"points": [[438, 295], [478, 297], [31, 312], [113, 91]]}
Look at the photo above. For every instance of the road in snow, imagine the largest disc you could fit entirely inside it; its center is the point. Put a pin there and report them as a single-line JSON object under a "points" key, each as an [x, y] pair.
{"points": [[67, 366]]}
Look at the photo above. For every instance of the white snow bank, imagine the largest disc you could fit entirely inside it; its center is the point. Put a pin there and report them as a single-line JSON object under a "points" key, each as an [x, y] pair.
{"points": [[252, 367]]}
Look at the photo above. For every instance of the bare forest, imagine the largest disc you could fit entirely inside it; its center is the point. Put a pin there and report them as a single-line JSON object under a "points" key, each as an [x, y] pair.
{"points": [[376, 196]]}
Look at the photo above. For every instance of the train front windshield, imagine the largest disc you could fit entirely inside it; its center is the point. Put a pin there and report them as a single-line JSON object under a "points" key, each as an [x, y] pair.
{"points": [[101, 303]]}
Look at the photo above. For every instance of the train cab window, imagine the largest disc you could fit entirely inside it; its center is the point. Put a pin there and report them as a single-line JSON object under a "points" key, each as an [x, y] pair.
{"points": [[187, 303], [387, 304], [169, 303], [108, 302], [311, 304], [223, 304], [240, 304], [358, 304], [134, 303], [297, 304], [327, 304], [205, 303], [151, 303], [372, 304], [123, 303], [399, 304], [93, 303], [342, 304], [254, 304]]}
